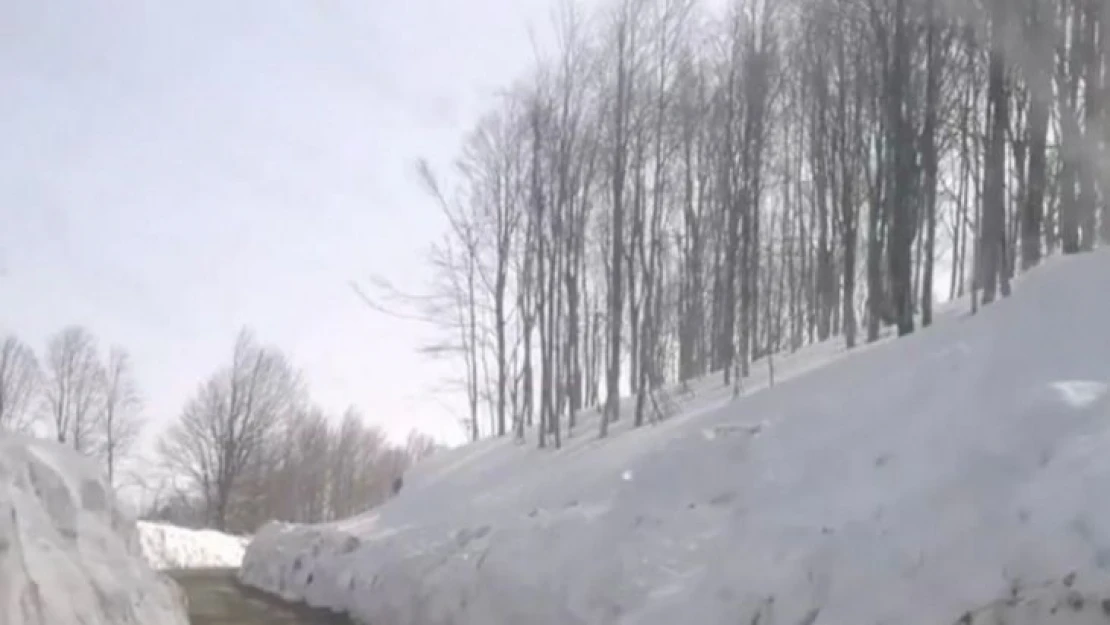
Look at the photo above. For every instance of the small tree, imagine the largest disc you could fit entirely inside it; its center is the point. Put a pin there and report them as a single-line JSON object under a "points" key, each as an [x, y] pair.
{"points": [[75, 380], [118, 423], [20, 379]]}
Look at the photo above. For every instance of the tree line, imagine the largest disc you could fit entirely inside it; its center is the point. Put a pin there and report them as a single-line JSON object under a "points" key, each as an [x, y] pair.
{"points": [[675, 191], [76, 394], [249, 445]]}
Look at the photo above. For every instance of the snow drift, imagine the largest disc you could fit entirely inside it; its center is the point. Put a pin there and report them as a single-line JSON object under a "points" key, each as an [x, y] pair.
{"points": [[171, 547], [951, 476], [68, 555]]}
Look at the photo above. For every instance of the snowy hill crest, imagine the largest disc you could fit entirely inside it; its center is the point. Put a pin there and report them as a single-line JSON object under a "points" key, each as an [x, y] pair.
{"points": [[949, 477]]}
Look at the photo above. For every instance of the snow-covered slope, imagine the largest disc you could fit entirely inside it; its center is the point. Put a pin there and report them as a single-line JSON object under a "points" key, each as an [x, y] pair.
{"points": [[954, 475], [68, 556], [171, 547]]}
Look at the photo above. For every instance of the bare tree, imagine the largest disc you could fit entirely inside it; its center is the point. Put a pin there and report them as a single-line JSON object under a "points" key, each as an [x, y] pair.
{"points": [[73, 388], [296, 487], [1039, 78], [419, 446], [454, 304], [491, 163], [993, 274], [625, 30], [628, 180], [118, 422], [20, 378], [226, 425], [364, 466], [1104, 121], [354, 449]]}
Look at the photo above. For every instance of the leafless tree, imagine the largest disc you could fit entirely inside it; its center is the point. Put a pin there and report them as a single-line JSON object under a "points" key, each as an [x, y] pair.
{"points": [[992, 244], [20, 379], [419, 446], [75, 379], [625, 52], [225, 426], [679, 190], [1039, 78], [250, 447], [118, 421], [296, 483]]}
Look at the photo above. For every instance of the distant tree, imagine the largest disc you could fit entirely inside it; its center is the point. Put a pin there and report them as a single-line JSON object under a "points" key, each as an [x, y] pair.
{"points": [[299, 481], [118, 423], [20, 379], [165, 502], [419, 446], [355, 452], [226, 425], [75, 379]]}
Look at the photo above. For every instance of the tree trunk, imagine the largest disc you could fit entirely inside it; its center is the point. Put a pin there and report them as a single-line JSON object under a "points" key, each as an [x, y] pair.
{"points": [[613, 371], [929, 162], [1088, 161], [993, 235], [1039, 101]]}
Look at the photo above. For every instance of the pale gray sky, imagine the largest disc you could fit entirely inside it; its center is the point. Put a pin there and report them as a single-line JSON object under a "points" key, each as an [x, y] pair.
{"points": [[171, 171]]}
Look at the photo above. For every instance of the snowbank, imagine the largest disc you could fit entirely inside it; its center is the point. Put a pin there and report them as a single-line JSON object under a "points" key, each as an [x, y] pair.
{"points": [[171, 547], [68, 555], [951, 476]]}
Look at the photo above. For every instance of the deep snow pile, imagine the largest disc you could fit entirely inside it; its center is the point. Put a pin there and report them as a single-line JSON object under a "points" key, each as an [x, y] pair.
{"points": [[954, 475], [171, 547], [68, 555]]}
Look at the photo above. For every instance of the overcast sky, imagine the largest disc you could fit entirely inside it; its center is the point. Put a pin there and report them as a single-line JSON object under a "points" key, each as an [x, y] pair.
{"points": [[172, 171]]}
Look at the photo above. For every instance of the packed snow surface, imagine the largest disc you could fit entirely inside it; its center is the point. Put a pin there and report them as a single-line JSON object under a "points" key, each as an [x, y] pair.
{"points": [[68, 555], [956, 475], [171, 547]]}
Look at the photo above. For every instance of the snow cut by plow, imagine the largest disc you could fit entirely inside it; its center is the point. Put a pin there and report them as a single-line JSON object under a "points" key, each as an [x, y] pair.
{"points": [[938, 479], [68, 555], [171, 547]]}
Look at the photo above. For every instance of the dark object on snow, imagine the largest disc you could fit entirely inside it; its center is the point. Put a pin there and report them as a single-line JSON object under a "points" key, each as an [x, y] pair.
{"points": [[397, 483]]}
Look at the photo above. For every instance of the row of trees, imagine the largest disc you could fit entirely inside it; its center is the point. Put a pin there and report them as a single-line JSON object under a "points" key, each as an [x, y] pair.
{"points": [[675, 191], [250, 447], [85, 399]]}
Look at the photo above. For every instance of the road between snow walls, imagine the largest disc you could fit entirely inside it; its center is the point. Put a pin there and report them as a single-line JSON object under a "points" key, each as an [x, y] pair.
{"points": [[68, 555], [216, 598], [953, 476]]}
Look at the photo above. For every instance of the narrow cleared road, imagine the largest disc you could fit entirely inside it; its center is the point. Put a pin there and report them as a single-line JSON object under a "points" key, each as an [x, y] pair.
{"points": [[215, 598]]}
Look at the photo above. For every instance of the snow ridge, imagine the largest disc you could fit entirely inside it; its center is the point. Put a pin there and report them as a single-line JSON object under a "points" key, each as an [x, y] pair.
{"points": [[948, 477], [68, 555]]}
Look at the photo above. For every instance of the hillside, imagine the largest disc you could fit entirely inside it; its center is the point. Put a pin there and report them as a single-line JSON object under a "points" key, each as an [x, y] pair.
{"points": [[950, 473]]}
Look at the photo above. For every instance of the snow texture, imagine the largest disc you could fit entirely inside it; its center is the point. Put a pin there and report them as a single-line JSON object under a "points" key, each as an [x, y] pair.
{"points": [[171, 547], [953, 476], [68, 555]]}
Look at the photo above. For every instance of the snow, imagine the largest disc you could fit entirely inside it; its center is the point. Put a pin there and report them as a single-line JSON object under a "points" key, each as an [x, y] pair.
{"points": [[1080, 393], [171, 547], [68, 555], [951, 476]]}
